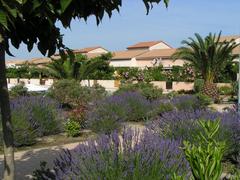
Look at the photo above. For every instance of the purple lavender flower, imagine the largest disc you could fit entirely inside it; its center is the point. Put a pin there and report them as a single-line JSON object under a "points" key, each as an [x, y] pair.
{"points": [[182, 125], [105, 115], [42, 113], [131, 155]]}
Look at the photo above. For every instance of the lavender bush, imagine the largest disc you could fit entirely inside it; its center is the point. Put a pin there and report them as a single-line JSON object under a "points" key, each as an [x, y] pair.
{"points": [[148, 90], [106, 115], [132, 155], [188, 102], [177, 103], [182, 125], [34, 116]]}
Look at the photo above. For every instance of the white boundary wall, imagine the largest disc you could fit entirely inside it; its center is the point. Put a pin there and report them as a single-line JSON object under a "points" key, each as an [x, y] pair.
{"points": [[111, 85]]}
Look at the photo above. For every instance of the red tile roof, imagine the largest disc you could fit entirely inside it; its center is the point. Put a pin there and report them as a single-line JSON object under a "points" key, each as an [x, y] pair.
{"points": [[127, 54], [146, 44], [86, 50], [156, 53]]}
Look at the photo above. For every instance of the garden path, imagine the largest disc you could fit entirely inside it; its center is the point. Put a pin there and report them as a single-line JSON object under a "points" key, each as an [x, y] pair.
{"points": [[27, 161], [221, 107]]}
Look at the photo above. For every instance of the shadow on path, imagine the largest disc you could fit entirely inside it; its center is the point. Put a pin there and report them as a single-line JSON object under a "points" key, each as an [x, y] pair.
{"points": [[27, 161]]}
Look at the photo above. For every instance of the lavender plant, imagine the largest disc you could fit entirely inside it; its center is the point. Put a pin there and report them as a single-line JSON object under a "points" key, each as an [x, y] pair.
{"points": [[188, 102], [132, 155], [34, 116], [148, 90], [106, 115], [182, 125]]}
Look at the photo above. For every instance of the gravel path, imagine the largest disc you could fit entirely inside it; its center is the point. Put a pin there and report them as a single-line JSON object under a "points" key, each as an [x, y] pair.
{"points": [[28, 161], [221, 107]]}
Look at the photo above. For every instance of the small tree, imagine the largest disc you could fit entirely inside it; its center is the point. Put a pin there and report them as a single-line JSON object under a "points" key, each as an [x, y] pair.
{"points": [[34, 22]]}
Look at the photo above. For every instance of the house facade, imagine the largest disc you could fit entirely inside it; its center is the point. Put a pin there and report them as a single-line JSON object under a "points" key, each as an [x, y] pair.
{"points": [[158, 57], [126, 58], [146, 54]]}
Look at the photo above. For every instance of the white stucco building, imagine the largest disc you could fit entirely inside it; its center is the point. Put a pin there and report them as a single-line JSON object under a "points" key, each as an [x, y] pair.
{"points": [[145, 54]]}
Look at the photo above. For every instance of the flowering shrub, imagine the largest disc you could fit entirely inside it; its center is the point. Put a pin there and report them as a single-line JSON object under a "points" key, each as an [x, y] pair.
{"points": [[71, 93], [183, 125], [105, 115], [129, 156], [78, 115], [126, 74], [34, 116]]}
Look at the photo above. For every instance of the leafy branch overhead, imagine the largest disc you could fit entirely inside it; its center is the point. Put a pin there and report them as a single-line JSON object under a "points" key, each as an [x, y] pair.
{"points": [[34, 21]]}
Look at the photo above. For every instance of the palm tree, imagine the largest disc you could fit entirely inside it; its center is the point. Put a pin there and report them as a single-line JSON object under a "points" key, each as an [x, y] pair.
{"points": [[79, 67], [65, 68], [209, 56]]}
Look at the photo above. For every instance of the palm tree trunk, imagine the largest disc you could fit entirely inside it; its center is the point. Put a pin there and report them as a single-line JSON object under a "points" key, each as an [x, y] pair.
{"points": [[6, 120]]}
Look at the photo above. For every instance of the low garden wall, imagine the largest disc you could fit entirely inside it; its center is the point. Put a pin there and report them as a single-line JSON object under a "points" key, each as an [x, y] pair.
{"points": [[112, 85]]}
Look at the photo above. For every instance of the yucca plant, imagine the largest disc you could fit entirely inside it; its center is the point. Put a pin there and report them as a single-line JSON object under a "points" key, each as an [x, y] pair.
{"points": [[209, 56], [205, 158]]}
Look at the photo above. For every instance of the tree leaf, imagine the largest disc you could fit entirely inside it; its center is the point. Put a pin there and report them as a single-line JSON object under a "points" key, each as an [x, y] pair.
{"points": [[65, 4], [36, 4], [3, 19]]}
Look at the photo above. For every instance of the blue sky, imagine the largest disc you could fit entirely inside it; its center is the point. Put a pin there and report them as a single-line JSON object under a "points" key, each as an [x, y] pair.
{"points": [[181, 20]]}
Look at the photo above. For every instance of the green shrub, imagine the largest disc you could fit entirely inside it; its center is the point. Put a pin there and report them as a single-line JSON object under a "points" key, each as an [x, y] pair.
{"points": [[182, 91], [156, 73], [18, 90], [172, 94], [198, 85], [205, 158], [148, 90], [71, 93], [204, 100], [225, 90], [72, 128]]}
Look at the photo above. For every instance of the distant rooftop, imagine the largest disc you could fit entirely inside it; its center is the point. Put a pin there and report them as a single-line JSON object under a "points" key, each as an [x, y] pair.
{"points": [[164, 53], [146, 44], [127, 54], [87, 49]]}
